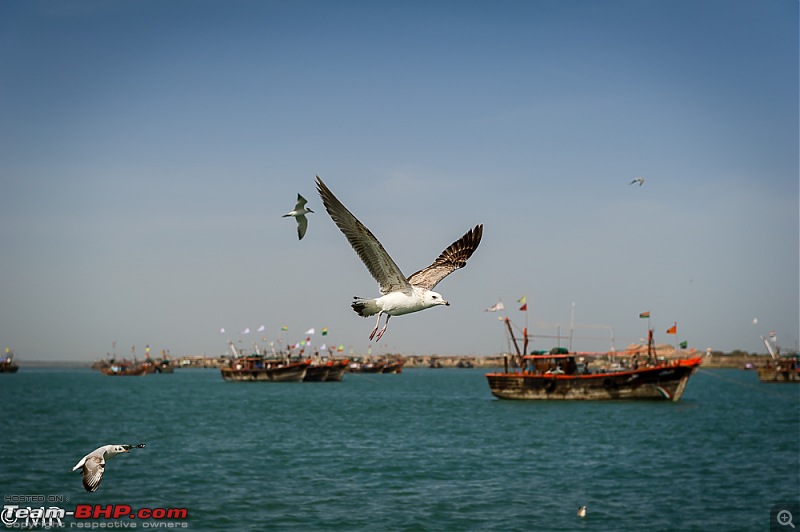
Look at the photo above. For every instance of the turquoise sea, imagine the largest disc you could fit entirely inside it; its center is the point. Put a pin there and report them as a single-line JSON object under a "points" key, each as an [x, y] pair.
{"points": [[423, 450]]}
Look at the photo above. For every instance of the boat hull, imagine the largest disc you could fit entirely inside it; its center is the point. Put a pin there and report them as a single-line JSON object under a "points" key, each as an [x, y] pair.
{"points": [[663, 382], [336, 370], [129, 372], [288, 373], [316, 374], [778, 375]]}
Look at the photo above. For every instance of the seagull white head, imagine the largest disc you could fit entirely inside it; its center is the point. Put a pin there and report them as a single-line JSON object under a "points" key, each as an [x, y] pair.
{"points": [[431, 299]]}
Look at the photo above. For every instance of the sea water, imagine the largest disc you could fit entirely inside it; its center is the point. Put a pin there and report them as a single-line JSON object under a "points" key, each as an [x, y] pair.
{"points": [[428, 449]]}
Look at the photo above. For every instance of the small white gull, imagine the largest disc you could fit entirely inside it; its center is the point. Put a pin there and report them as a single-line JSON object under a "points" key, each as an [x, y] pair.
{"points": [[581, 511], [93, 464], [639, 180], [299, 214], [401, 295]]}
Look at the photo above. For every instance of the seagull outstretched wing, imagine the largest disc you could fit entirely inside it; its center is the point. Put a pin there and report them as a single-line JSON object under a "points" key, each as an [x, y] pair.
{"points": [[93, 469], [451, 259], [369, 249]]}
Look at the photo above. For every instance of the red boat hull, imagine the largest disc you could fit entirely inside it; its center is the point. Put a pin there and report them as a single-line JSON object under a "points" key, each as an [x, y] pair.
{"points": [[663, 382]]}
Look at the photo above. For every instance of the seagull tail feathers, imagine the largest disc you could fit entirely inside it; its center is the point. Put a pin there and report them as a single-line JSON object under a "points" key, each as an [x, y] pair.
{"points": [[365, 307]]}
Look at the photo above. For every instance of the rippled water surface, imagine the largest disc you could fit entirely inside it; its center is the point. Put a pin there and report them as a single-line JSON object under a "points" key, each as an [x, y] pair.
{"points": [[424, 450]]}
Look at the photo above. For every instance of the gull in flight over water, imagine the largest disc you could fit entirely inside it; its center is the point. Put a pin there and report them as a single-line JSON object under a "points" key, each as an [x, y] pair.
{"points": [[299, 214], [401, 295], [93, 464], [639, 180]]}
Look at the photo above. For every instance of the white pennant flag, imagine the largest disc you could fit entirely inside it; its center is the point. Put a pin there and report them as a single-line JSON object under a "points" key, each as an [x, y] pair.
{"points": [[311, 331]]}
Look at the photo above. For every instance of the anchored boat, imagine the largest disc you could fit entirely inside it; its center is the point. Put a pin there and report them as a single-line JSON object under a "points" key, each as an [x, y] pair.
{"points": [[124, 369], [7, 364], [558, 376], [782, 368], [326, 370], [259, 368]]}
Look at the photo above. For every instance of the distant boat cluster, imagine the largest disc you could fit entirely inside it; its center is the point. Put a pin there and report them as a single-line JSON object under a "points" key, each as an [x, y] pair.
{"points": [[126, 368]]}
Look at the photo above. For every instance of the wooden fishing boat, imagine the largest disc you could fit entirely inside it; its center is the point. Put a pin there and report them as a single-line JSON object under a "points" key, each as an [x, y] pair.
{"points": [[316, 373], [393, 367], [336, 370], [368, 366], [781, 369], [259, 368], [7, 364], [557, 376], [326, 371], [123, 369], [390, 364]]}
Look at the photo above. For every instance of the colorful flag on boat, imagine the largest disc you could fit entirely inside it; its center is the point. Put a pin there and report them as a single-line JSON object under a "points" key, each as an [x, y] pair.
{"points": [[324, 331], [644, 314], [684, 345], [341, 348], [496, 307], [311, 331], [523, 300], [262, 328], [673, 329], [285, 328], [524, 307], [246, 330]]}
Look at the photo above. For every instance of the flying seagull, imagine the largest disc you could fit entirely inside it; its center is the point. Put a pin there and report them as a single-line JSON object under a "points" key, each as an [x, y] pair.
{"points": [[93, 464], [639, 180], [401, 295], [299, 214]]}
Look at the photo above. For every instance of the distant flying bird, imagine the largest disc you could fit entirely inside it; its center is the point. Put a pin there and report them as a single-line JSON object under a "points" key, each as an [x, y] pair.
{"points": [[401, 295], [639, 180], [93, 464], [582, 511], [299, 214]]}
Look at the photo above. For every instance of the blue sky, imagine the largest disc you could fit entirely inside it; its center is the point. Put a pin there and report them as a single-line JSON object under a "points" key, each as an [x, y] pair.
{"points": [[148, 150]]}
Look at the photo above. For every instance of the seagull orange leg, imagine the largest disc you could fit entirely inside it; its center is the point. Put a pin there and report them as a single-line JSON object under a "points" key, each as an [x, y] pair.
{"points": [[383, 330], [372, 334]]}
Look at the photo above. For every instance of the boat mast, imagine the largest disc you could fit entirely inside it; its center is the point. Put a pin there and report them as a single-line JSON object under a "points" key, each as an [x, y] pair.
{"points": [[511, 332], [769, 347], [571, 326]]}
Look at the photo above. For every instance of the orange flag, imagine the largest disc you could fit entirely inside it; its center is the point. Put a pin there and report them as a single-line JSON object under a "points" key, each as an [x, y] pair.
{"points": [[673, 329]]}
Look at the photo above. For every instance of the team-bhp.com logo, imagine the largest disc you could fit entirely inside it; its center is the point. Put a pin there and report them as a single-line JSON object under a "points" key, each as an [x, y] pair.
{"points": [[16, 516]]}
